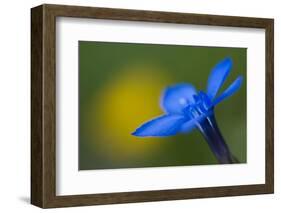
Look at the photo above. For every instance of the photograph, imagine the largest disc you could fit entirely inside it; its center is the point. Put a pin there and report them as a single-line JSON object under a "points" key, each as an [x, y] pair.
{"points": [[159, 105]]}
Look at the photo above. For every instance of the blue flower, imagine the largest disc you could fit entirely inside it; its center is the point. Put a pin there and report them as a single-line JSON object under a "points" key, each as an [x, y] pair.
{"points": [[186, 109]]}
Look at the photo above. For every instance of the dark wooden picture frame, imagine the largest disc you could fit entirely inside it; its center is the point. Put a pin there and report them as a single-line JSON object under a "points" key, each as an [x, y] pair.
{"points": [[43, 105]]}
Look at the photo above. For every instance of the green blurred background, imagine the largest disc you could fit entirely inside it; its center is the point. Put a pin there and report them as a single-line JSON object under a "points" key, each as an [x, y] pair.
{"points": [[119, 89]]}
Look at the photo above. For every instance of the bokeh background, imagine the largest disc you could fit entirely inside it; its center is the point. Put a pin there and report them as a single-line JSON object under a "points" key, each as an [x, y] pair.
{"points": [[119, 89]]}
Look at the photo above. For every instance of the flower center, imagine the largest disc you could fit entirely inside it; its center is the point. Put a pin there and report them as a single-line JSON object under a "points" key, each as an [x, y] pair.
{"points": [[200, 109]]}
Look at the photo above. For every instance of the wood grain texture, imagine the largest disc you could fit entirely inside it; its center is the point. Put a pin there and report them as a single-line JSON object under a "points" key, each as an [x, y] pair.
{"points": [[43, 105], [36, 106], [269, 114]]}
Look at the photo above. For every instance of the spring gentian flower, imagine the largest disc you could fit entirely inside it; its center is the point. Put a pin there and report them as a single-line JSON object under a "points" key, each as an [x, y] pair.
{"points": [[187, 109]]}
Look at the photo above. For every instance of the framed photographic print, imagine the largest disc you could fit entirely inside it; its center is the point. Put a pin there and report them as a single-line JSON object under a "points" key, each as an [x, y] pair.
{"points": [[136, 106]]}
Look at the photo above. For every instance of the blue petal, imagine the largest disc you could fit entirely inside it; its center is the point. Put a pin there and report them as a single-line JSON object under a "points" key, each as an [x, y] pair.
{"points": [[218, 76], [165, 125], [176, 97], [188, 126], [230, 90]]}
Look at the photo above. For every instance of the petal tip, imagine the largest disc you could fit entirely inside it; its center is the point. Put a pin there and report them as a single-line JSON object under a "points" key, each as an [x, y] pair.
{"points": [[140, 132], [225, 62], [227, 59], [136, 133]]}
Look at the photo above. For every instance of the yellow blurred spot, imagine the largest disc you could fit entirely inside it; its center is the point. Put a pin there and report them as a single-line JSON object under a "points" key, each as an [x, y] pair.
{"points": [[124, 104]]}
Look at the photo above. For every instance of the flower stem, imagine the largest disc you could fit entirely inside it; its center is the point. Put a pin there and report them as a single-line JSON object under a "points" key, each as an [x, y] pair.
{"points": [[209, 129]]}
